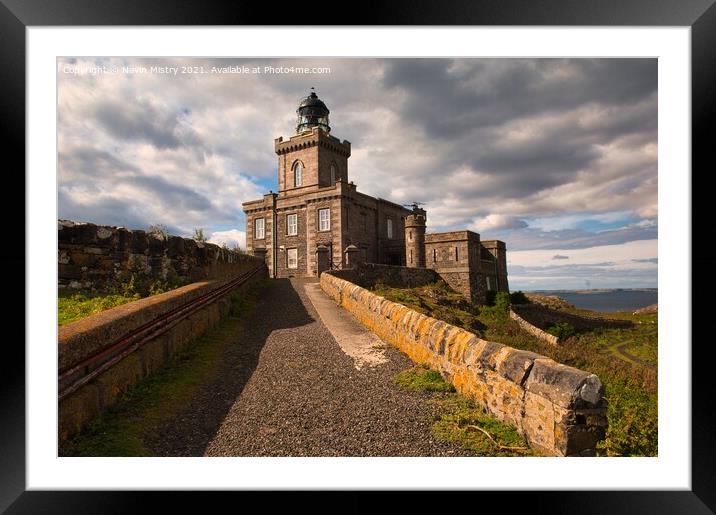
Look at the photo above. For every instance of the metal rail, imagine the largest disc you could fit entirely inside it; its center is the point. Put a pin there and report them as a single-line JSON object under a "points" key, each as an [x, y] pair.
{"points": [[73, 377]]}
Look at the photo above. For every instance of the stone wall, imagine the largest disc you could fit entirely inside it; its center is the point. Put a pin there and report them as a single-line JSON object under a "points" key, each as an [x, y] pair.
{"points": [[86, 337], [533, 330], [560, 410], [99, 257], [542, 317], [370, 274]]}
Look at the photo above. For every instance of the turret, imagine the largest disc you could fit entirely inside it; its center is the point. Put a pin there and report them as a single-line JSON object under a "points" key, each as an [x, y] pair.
{"points": [[415, 238]]}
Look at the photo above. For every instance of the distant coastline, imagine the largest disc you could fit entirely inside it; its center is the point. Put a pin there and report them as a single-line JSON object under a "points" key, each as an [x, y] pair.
{"points": [[606, 299]]}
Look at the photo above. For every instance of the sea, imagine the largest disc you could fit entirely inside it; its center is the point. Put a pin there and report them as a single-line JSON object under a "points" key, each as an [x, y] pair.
{"points": [[613, 300]]}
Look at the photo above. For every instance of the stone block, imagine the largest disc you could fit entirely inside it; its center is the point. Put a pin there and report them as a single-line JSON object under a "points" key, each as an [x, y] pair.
{"points": [[76, 410], [69, 271], [114, 382], [152, 355], [565, 386]]}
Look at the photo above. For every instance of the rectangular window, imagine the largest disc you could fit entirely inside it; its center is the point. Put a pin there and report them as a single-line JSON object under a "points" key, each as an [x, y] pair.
{"points": [[489, 284], [390, 228], [324, 219], [292, 225], [291, 258], [435, 255], [411, 255], [259, 229], [456, 256]]}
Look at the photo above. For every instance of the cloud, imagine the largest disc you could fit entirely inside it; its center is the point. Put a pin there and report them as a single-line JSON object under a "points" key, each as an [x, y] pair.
{"points": [[542, 153], [230, 238], [497, 221], [648, 260], [560, 256]]}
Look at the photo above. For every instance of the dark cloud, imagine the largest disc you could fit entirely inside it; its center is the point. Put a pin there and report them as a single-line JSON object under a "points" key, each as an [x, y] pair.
{"points": [[559, 256], [650, 260], [447, 97], [141, 119]]}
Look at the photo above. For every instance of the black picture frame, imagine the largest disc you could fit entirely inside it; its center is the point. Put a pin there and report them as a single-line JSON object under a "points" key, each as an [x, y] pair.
{"points": [[700, 15]]}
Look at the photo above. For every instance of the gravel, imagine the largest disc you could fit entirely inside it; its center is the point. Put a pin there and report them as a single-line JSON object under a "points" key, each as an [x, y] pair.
{"points": [[285, 388]]}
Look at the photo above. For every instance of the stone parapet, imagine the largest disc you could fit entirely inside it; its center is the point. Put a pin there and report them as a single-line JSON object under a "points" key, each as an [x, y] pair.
{"points": [[83, 339], [559, 410]]}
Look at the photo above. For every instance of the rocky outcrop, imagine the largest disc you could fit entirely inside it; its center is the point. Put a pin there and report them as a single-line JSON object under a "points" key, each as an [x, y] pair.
{"points": [[648, 310]]}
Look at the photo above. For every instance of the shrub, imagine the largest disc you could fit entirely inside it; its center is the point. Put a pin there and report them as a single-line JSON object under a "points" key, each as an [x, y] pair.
{"points": [[518, 297], [562, 330], [502, 302]]}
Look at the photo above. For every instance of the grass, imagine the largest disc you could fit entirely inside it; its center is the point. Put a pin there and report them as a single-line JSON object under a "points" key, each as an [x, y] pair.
{"points": [[72, 305], [631, 387], [458, 421], [76, 304], [123, 429], [423, 379]]}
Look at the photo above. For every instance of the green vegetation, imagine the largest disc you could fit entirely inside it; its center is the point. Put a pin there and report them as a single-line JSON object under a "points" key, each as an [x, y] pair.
{"points": [[126, 426], [75, 304], [457, 420], [517, 297], [562, 330], [159, 230], [460, 421], [631, 385], [424, 379], [72, 305], [199, 234]]}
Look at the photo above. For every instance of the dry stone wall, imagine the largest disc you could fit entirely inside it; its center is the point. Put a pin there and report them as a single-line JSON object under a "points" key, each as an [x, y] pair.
{"points": [[534, 330], [100, 257], [560, 410], [542, 317]]}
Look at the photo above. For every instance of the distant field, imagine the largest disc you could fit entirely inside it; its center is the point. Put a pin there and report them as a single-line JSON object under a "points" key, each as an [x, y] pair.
{"points": [[624, 359]]}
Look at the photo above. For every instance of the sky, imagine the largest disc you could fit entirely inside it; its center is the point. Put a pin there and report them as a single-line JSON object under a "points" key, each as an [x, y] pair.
{"points": [[556, 157]]}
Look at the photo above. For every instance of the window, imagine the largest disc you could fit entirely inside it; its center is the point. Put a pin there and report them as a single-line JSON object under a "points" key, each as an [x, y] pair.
{"points": [[292, 225], [324, 219], [390, 228], [411, 255], [456, 255], [364, 219], [259, 228], [298, 174], [410, 235], [291, 258], [435, 255], [333, 174], [489, 284]]}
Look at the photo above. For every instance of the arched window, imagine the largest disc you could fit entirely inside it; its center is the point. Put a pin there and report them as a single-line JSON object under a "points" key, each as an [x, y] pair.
{"points": [[297, 174], [333, 174]]}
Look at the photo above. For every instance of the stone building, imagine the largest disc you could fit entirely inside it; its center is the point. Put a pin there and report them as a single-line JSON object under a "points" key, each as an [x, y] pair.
{"points": [[319, 221]]}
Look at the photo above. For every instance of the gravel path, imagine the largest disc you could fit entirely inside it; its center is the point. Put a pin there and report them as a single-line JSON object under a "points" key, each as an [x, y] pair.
{"points": [[286, 389]]}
